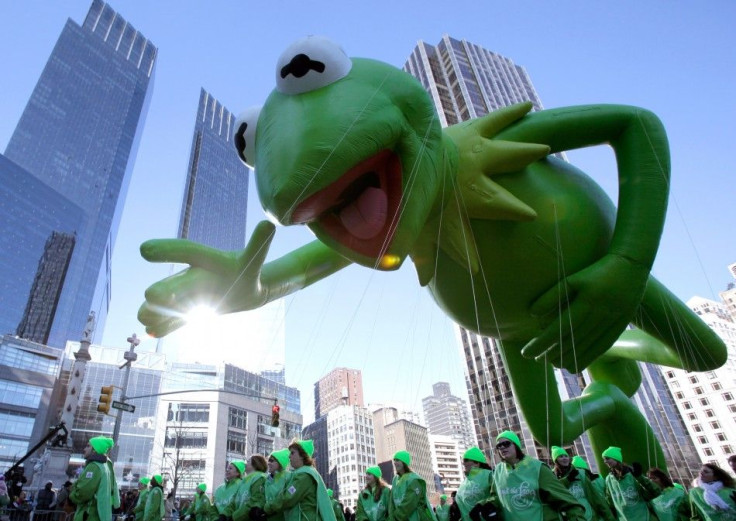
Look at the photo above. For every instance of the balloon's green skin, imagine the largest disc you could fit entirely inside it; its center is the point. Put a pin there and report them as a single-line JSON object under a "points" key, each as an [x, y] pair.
{"points": [[512, 242]]}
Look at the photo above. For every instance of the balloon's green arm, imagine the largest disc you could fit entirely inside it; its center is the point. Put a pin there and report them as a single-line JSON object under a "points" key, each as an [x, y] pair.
{"points": [[640, 143]]}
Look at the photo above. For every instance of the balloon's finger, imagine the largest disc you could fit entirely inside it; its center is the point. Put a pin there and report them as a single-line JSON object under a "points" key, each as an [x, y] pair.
{"points": [[182, 251], [258, 246]]}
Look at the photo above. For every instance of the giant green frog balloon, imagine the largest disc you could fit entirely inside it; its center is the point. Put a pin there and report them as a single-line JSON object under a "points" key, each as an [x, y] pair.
{"points": [[512, 242]]}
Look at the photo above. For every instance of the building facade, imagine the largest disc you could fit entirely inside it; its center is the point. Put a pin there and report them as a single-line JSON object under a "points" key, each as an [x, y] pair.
{"points": [[447, 463], [341, 386], [78, 135], [448, 415]]}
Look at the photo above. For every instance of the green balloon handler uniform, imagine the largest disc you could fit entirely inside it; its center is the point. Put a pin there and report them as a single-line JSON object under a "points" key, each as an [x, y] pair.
{"points": [[666, 504], [336, 508], [528, 490], [408, 494], [140, 505], [712, 501], [476, 488], [368, 508], [442, 511], [628, 494], [250, 494], [96, 492], [579, 485], [304, 497], [277, 481], [223, 504], [200, 507], [595, 479], [155, 508]]}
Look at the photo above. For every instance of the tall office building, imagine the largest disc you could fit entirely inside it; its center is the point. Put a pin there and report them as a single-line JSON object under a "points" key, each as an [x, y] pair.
{"points": [[448, 415], [78, 135], [341, 386], [467, 81], [447, 462], [33, 269]]}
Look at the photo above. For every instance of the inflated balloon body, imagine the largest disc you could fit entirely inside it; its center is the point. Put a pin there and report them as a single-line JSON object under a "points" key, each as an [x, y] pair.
{"points": [[513, 243]]}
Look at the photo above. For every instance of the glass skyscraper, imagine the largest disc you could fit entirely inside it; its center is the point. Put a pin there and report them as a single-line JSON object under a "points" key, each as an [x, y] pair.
{"points": [[78, 135]]}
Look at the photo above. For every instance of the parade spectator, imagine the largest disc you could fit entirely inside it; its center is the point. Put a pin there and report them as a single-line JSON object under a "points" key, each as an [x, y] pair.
{"points": [[455, 514], [20, 509], [251, 492], [408, 493], [713, 498], [224, 501], [169, 505], [374, 498], [627, 489], [667, 505], [476, 487], [96, 492], [4, 496], [577, 483], [155, 502], [526, 489], [732, 462], [306, 492], [63, 505]]}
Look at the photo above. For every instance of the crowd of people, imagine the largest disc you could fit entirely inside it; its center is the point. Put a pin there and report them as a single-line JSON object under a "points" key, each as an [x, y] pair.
{"points": [[287, 487]]}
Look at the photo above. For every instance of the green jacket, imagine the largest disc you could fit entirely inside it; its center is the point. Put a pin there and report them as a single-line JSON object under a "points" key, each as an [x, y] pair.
{"points": [[530, 491], [304, 498], [274, 486], [200, 507], [630, 495], [409, 499], [224, 499], [475, 488], [582, 489], [442, 512], [154, 505], [140, 505], [250, 494], [667, 504], [702, 511], [337, 509], [92, 492], [369, 509]]}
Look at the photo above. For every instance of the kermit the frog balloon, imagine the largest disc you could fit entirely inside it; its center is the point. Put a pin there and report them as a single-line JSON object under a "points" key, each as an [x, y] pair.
{"points": [[512, 242]]}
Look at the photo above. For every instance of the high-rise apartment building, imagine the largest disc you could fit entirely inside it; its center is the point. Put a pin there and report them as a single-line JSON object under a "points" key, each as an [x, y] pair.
{"points": [[78, 135], [729, 295], [341, 386], [447, 463], [448, 415], [467, 81]]}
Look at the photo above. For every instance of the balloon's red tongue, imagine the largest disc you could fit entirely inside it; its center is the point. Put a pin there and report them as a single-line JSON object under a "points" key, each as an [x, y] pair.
{"points": [[365, 217]]}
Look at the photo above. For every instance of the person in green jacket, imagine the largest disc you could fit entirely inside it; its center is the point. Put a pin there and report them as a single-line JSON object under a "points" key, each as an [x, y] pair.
{"points": [[668, 504], [714, 496], [627, 489], [595, 479], [223, 504], [252, 492], [577, 482], [96, 492], [442, 511], [525, 489], [140, 504], [408, 493], [155, 507], [374, 498], [199, 508], [336, 506], [474, 492], [276, 480], [305, 496]]}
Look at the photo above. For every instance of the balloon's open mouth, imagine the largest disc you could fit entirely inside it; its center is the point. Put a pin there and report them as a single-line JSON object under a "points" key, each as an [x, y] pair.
{"points": [[359, 210]]}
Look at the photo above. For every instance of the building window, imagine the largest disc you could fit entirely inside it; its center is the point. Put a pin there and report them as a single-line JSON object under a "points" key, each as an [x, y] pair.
{"points": [[238, 418], [697, 427], [704, 401], [717, 386], [235, 442], [185, 438], [693, 379], [702, 440], [715, 425], [720, 436], [707, 451], [189, 412], [727, 396], [686, 405], [679, 395], [726, 449], [709, 413], [692, 416], [670, 374], [698, 390], [732, 408]]}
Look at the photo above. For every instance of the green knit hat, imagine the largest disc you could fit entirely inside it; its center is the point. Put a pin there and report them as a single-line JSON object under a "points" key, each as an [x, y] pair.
{"points": [[508, 435], [677, 485], [404, 457], [614, 453], [475, 454], [158, 479], [557, 452], [240, 465], [444, 496], [308, 446], [144, 480], [101, 444], [330, 492], [202, 487], [579, 463], [282, 456], [374, 471]]}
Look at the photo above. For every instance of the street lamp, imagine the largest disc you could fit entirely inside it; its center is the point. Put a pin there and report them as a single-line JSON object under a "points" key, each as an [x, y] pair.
{"points": [[130, 357]]}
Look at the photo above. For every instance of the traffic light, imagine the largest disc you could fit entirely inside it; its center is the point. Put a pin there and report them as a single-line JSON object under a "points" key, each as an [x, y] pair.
{"points": [[275, 414], [105, 399]]}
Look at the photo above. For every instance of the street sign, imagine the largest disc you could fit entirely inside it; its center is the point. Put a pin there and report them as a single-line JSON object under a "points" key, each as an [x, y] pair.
{"points": [[123, 406]]}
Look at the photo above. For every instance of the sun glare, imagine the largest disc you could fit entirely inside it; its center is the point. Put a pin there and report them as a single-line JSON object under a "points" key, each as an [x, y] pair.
{"points": [[200, 317]]}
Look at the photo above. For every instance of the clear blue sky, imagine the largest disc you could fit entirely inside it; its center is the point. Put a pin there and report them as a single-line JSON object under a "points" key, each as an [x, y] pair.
{"points": [[676, 58]]}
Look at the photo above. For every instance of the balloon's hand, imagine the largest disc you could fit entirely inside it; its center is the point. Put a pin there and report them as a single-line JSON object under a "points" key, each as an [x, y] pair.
{"points": [[585, 313], [224, 281]]}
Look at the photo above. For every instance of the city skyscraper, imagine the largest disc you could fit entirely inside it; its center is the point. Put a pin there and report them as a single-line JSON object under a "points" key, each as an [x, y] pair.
{"points": [[341, 386], [467, 81], [78, 135], [448, 415]]}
